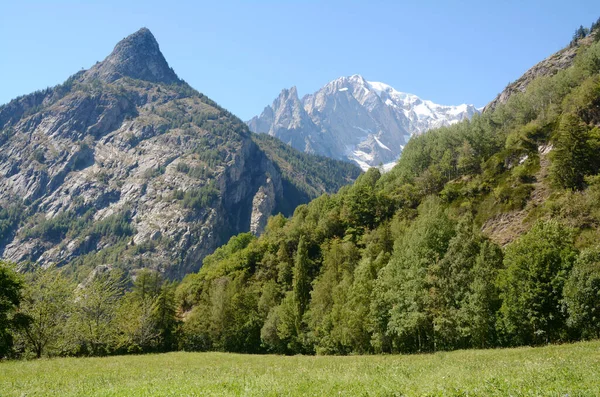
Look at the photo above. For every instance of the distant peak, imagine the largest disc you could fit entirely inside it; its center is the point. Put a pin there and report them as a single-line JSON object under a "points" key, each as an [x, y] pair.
{"points": [[288, 93], [137, 40], [137, 56], [357, 78]]}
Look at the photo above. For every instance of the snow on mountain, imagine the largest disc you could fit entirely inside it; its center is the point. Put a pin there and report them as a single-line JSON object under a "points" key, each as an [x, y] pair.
{"points": [[354, 119]]}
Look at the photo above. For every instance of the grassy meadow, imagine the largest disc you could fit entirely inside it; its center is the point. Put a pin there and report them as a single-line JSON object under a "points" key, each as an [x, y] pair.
{"points": [[560, 370]]}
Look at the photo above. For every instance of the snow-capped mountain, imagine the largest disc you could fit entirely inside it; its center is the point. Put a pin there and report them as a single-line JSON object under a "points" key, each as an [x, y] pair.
{"points": [[352, 118]]}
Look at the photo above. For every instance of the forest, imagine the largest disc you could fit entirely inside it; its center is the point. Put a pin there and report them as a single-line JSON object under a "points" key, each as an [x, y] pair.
{"points": [[485, 234]]}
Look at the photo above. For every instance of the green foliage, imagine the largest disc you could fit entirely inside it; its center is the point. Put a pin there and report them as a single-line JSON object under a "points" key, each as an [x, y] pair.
{"points": [[582, 294], [401, 297], [71, 224], [398, 262], [304, 176], [92, 325], [197, 172], [575, 154], [10, 297], [146, 317], [9, 219], [48, 302], [537, 267], [197, 198], [301, 281]]}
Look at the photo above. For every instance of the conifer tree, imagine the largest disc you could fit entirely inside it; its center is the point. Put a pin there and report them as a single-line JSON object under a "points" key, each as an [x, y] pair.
{"points": [[301, 280], [10, 297]]}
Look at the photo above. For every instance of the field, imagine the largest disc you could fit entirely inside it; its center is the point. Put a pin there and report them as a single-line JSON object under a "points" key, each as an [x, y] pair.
{"points": [[572, 370]]}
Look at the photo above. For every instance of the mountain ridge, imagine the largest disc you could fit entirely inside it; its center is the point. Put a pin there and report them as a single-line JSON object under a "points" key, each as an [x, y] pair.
{"points": [[485, 234], [125, 165], [353, 119]]}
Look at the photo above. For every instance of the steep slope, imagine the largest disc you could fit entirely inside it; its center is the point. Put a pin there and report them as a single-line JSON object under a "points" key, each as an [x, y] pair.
{"points": [[486, 233], [351, 118], [126, 165], [304, 176], [548, 67]]}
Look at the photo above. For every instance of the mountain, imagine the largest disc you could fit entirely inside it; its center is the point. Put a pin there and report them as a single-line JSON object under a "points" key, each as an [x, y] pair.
{"points": [[548, 67], [354, 119], [126, 165], [484, 234]]}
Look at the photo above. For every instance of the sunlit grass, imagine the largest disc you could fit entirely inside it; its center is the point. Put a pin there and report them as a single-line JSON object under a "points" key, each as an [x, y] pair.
{"points": [[572, 370]]}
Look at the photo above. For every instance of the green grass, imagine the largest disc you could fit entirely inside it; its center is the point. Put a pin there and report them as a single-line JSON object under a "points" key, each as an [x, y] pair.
{"points": [[572, 370]]}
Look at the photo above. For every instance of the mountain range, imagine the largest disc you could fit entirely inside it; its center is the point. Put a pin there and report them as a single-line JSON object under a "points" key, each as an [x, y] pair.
{"points": [[125, 165], [353, 119], [484, 234]]}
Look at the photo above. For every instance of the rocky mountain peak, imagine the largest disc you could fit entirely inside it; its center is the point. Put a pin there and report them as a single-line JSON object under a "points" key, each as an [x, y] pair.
{"points": [[137, 56], [287, 95], [351, 118]]}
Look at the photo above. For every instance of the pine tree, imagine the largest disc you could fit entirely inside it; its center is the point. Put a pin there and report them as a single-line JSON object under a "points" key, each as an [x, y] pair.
{"points": [[301, 280], [572, 157]]}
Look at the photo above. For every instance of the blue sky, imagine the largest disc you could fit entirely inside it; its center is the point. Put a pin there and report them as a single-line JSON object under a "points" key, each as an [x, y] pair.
{"points": [[242, 53]]}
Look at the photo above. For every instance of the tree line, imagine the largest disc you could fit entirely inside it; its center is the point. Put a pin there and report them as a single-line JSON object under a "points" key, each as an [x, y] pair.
{"points": [[46, 313], [415, 260]]}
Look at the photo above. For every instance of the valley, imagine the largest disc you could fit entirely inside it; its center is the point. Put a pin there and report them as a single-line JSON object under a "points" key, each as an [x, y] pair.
{"points": [[359, 240]]}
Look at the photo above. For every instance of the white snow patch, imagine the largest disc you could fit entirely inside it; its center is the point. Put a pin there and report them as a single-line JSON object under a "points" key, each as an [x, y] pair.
{"points": [[362, 155], [381, 145], [422, 110], [391, 103], [379, 88], [387, 166], [456, 110], [343, 89], [364, 166]]}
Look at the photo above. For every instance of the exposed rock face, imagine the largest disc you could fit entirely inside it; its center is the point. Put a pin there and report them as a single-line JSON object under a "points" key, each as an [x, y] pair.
{"points": [[287, 120], [354, 119], [263, 205], [125, 165], [137, 56]]}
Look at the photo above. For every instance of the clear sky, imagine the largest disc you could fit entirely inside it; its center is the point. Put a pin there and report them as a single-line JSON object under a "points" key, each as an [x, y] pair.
{"points": [[242, 53]]}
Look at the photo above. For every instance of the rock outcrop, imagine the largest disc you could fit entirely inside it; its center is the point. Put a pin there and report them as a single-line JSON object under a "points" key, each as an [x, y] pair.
{"points": [[548, 67], [138, 56], [263, 204], [125, 165]]}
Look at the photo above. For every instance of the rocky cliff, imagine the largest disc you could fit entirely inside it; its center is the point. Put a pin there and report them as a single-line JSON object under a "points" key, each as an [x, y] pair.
{"points": [[126, 165]]}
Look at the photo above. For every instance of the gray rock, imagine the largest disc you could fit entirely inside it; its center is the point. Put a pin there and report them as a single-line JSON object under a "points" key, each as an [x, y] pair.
{"points": [[127, 165], [548, 67], [354, 119]]}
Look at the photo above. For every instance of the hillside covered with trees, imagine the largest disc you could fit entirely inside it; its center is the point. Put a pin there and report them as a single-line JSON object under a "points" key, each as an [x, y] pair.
{"points": [[484, 234]]}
